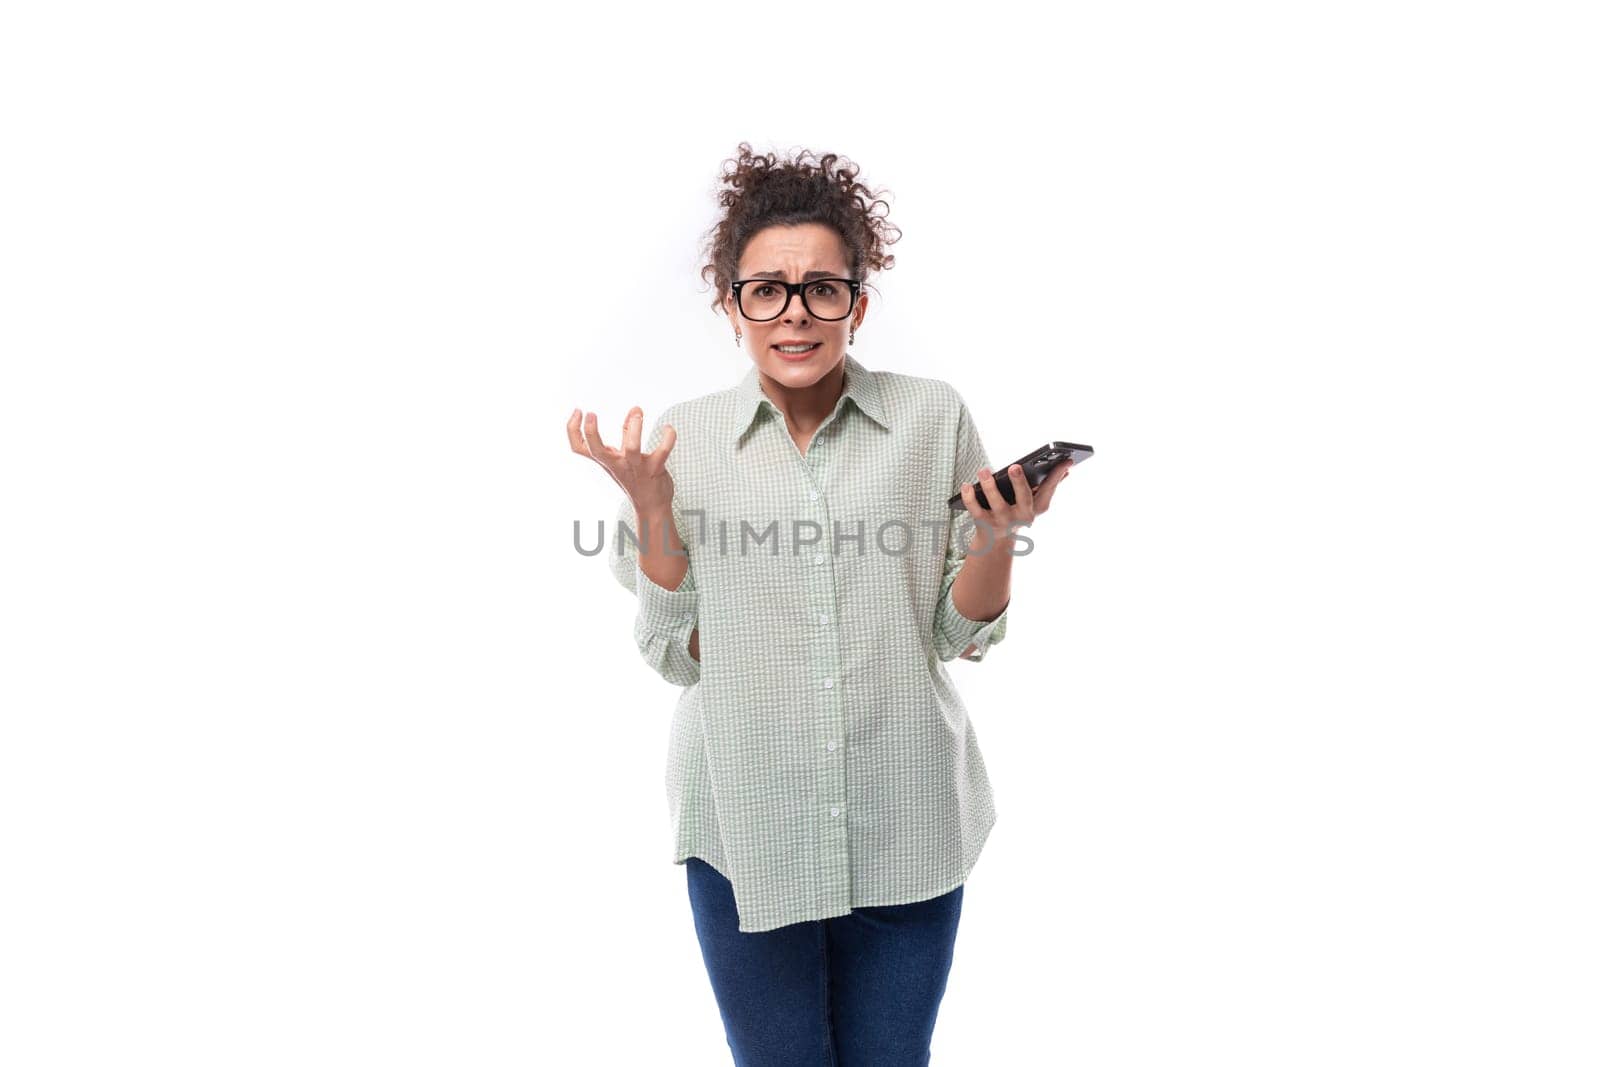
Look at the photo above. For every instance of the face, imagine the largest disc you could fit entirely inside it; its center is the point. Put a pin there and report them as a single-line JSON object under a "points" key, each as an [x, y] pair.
{"points": [[791, 253]]}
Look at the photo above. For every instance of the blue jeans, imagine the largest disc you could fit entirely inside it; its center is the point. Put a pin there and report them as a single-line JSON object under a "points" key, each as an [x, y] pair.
{"points": [[856, 990]]}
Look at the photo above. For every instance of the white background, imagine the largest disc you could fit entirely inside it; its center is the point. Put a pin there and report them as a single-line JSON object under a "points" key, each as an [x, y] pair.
{"points": [[322, 745]]}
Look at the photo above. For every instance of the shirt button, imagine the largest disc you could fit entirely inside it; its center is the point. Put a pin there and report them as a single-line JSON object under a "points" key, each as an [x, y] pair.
{"points": [[832, 745], [687, 616], [835, 811], [813, 494], [827, 683], [823, 619], [817, 559]]}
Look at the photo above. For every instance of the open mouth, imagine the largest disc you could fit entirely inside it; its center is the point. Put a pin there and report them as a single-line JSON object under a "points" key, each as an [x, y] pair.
{"points": [[796, 351]]}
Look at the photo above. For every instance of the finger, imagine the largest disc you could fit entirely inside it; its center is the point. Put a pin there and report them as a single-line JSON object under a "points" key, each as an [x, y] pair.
{"points": [[1041, 499], [1019, 484], [991, 492], [989, 518], [1027, 499], [575, 432], [969, 497], [632, 429], [591, 437], [669, 437]]}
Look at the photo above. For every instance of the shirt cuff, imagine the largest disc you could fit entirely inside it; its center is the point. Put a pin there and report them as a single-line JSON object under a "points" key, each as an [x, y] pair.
{"points": [[956, 631], [670, 613]]}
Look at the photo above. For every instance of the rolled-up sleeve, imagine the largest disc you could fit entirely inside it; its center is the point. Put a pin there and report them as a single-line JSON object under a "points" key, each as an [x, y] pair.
{"points": [[953, 632], [665, 618]]}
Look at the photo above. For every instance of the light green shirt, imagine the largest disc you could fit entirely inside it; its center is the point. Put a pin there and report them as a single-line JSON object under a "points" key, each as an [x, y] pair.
{"points": [[819, 756]]}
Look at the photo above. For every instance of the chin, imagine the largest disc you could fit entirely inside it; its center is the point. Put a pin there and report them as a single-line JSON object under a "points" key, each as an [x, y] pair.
{"points": [[806, 371]]}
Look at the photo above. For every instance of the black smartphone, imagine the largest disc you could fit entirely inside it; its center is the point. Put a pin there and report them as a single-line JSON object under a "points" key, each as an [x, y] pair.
{"points": [[1036, 467]]}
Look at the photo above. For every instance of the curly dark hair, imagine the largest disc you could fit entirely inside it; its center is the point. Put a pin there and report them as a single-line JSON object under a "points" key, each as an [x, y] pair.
{"points": [[761, 191]]}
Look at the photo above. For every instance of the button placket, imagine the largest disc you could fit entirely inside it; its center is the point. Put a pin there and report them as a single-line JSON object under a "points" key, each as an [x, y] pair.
{"points": [[832, 779]]}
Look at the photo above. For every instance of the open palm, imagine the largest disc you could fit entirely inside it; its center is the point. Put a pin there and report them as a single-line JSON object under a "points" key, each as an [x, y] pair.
{"points": [[642, 475]]}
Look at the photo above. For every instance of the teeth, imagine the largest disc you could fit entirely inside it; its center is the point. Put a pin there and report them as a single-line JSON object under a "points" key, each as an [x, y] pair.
{"points": [[796, 348]]}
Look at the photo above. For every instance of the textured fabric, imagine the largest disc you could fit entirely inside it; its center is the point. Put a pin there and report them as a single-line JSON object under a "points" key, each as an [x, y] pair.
{"points": [[857, 990], [819, 755]]}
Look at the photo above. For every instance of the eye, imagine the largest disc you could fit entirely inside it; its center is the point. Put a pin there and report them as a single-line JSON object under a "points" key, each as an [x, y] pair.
{"points": [[825, 289], [764, 290]]}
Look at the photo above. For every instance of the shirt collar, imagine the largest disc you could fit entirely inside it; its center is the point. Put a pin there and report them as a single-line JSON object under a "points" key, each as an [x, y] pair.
{"points": [[861, 387]]}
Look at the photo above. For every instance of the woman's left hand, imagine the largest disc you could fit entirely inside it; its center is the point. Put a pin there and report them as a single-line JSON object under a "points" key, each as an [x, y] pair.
{"points": [[1001, 518]]}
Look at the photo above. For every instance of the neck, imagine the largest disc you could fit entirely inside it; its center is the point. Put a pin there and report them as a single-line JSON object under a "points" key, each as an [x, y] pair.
{"points": [[805, 408]]}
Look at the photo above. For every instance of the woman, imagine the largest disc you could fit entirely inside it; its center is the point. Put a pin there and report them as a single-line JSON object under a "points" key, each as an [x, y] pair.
{"points": [[828, 798]]}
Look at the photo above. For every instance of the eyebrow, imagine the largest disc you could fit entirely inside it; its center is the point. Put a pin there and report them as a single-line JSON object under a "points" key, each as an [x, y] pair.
{"points": [[804, 277]]}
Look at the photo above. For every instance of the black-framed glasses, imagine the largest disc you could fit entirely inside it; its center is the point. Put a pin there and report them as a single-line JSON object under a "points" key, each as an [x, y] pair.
{"points": [[828, 299]]}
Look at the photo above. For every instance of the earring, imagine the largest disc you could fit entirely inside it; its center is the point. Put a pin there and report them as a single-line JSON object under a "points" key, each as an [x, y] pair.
{"points": [[738, 339], [852, 336]]}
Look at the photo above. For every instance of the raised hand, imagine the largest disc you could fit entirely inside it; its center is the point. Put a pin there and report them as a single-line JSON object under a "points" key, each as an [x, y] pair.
{"points": [[642, 475]]}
